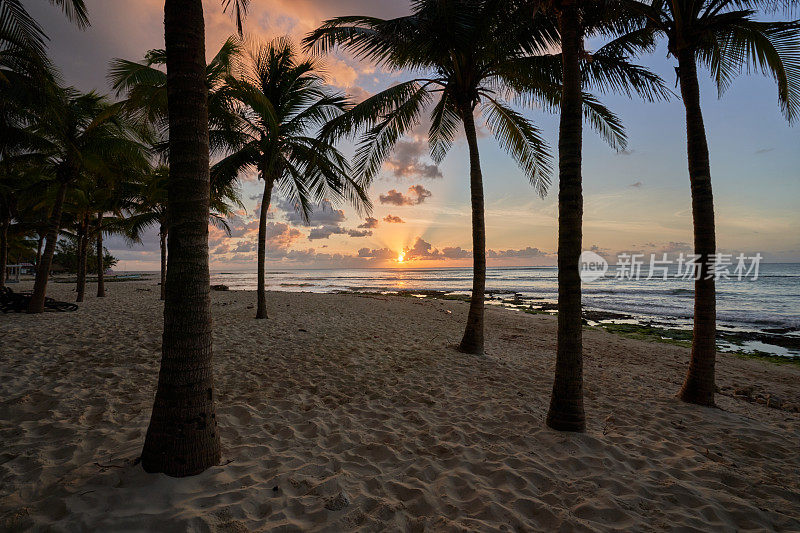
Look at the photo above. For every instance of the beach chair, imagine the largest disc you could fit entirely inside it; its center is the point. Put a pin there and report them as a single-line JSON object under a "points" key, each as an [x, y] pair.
{"points": [[17, 302]]}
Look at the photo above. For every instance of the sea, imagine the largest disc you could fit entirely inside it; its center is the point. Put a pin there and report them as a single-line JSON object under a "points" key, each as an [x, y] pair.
{"points": [[764, 307]]}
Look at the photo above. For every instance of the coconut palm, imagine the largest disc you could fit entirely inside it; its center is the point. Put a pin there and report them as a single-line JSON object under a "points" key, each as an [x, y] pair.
{"points": [[98, 204], [144, 85], [150, 210], [471, 54], [725, 37], [607, 70], [84, 134], [285, 99], [182, 437]]}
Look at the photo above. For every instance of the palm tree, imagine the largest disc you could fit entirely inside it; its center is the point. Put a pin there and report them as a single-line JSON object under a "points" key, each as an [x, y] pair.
{"points": [[150, 209], [725, 37], [98, 203], [182, 437], [144, 85], [459, 45], [84, 133], [566, 411], [607, 70], [284, 97], [470, 53]]}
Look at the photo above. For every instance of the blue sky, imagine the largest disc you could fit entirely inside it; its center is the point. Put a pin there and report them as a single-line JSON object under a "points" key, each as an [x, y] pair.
{"points": [[634, 201]]}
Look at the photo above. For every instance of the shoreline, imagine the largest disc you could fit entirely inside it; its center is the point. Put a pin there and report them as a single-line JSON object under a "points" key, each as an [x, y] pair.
{"points": [[780, 345]]}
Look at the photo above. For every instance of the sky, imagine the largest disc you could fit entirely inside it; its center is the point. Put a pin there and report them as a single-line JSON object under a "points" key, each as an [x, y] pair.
{"points": [[637, 200]]}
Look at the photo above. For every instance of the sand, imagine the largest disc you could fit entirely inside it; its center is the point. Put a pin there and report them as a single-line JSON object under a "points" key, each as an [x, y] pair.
{"points": [[349, 412]]}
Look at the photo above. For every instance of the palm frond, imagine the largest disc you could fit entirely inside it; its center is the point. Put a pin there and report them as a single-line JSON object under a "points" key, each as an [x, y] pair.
{"points": [[523, 141]]}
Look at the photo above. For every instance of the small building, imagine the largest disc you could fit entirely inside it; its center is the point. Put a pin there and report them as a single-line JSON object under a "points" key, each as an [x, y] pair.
{"points": [[12, 273]]}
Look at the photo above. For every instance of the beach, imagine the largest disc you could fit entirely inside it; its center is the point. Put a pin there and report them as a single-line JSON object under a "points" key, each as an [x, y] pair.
{"points": [[355, 412]]}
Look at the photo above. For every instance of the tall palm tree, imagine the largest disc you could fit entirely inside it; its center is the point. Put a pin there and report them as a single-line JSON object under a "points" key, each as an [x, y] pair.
{"points": [[607, 70], [182, 437], [144, 85], [458, 48], [725, 37], [285, 97], [98, 204], [470, 53], [84, 134], [566, 411], [149, 209]]}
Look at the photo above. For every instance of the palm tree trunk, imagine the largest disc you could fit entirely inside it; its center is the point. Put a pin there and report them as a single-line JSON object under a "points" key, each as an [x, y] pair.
{"points": [[83, 254], [39, 243], [699, 385], [101, 282], [261, 312], [162, 236], [4, 248], [566, 403], [36, 305], [182, 438], [472, 341]]}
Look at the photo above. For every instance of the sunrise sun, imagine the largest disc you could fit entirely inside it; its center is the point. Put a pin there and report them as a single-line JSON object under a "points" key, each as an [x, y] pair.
{"points": [[401, 257]]}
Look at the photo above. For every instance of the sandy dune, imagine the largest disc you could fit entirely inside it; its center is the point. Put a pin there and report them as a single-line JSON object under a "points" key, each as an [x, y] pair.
{"points": [[355, 412]]}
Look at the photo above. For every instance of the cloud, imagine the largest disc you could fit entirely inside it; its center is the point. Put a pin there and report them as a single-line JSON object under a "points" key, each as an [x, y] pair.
{"points": [[323, 232], [763, 151], [455, 253], [321, 215], [416, 195], [421, 249], [674, 247], [221, 249], [369, 223], [527, 252], [391, 219], [239, 227], [339, 73], [358, 94], [406, 161], [380, 253], [245, 247], [281, 236]]}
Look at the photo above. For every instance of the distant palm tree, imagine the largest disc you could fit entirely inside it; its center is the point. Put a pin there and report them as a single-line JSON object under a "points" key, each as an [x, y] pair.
{"points": [[98, 204], [84, 133], [725, 37], [182, 437], [469, 53], [285, 99]]}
